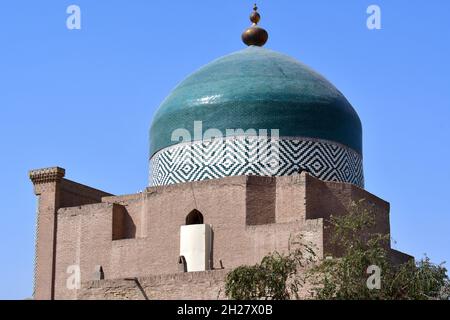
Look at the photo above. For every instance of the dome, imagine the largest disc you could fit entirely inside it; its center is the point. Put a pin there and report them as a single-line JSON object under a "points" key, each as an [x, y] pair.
{"points": [[257, 88]]}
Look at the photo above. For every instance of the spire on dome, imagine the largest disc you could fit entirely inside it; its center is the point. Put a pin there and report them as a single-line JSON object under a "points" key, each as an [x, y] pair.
{"points": [[255, 35]]}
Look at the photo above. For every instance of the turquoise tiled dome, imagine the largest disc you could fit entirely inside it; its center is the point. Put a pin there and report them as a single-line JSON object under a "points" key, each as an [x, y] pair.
{"points": [[260, 89]]}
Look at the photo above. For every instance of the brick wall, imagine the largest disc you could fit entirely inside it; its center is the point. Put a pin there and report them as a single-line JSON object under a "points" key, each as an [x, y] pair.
{"points": [[138, 235], [324, 198], [53, 192]]}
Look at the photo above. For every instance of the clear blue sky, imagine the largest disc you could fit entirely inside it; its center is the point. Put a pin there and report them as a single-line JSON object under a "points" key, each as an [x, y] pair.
{"points": [[84, 99]]}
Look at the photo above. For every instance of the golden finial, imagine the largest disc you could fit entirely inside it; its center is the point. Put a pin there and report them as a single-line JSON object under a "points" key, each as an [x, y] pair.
{"points": [[255, 35], [255, 16]]}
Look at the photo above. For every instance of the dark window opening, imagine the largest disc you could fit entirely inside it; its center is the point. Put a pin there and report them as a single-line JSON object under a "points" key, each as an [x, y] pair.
{"points": [[195, 217], [182, 265]]}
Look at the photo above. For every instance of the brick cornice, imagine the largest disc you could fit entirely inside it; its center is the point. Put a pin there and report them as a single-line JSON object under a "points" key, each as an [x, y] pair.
{"points": [[47, 175]]}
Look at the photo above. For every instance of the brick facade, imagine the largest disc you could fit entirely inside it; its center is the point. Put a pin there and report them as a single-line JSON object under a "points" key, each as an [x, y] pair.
{"points": [[138, 235]]}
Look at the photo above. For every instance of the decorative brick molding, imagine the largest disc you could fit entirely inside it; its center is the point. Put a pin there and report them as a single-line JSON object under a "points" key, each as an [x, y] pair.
{"points": [[47, 175]]}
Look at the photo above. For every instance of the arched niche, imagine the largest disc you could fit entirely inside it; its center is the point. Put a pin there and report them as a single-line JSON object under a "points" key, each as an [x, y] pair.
{"points": [[194, 217]]}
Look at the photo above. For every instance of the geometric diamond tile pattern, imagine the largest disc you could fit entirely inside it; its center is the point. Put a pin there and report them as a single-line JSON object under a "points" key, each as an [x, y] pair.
{"points": [[261, 156]]}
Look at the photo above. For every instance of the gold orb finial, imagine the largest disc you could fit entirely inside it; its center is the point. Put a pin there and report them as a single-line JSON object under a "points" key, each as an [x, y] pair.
{"points": [[255, 16], [255, 35]]}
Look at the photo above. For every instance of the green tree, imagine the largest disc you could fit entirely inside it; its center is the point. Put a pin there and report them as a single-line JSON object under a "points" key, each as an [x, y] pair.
{"points": [[275, 278], [281, 276]]}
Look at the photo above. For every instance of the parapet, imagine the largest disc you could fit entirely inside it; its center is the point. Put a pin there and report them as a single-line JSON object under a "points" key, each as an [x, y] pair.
{"points": [[47, 175]]}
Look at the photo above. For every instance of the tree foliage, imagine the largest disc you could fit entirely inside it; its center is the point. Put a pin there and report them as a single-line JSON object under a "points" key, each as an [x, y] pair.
{"points": [[275, 278], [281, 276]]}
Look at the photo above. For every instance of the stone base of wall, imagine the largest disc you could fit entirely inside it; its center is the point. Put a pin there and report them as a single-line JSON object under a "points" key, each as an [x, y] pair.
{"points": [[207, 285]]}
